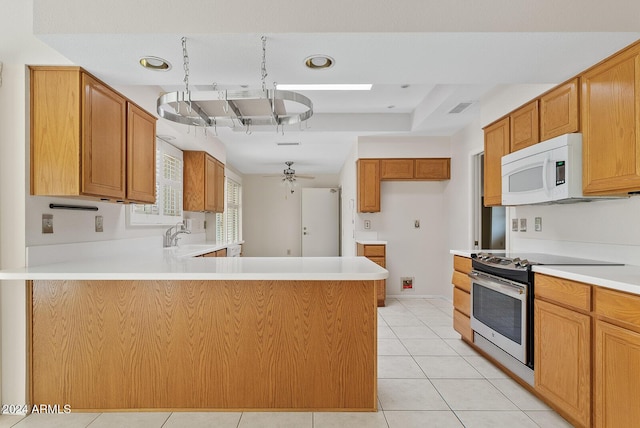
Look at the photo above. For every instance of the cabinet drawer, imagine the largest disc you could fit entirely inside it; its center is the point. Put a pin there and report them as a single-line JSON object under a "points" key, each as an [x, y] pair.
{"points": [[378, 260], [461, 280], [563, 291], [374, 250], [211, 254], [462, 324], [618, 306], [462, 264], [462, 301]]}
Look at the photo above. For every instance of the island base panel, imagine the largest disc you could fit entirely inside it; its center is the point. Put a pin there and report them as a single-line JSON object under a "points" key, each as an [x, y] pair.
{"points": [[243, 345]]}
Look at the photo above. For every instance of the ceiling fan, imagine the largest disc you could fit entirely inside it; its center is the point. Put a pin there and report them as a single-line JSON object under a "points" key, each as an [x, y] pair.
{"points": [[289, 176]]}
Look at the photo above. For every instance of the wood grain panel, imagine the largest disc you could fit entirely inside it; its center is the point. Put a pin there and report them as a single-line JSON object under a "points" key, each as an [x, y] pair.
{"points": [[374, 250], [610, 102], [433, 169], [559, 111], [220, 187], [193, 181], [210, 185], [462, 264], [617, 376], [462, 324], [563, 359], [380, 261], [396, 169], [55, 141], [205, 344], [368, 185], [525, 129], [461, 280], [563, 291], [462, 301], [141, 155], [496, 145], [104, 133], [619, 307]]}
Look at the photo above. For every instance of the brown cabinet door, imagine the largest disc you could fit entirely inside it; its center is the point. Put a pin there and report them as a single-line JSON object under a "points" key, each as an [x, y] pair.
{"points": [[104, 140], [617, 376], [559, 111], [141, 155], [396, 169], [496, 145], [220, 185], [433, 169], [610, 107], [368, 185], [193, 181], [524, 127], [563, 359], [210, 184]]}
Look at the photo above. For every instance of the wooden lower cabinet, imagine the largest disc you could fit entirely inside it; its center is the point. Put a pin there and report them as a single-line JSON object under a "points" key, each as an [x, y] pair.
{"points": [[563, 359], [377, 254], [462, 297], [617, 376]]}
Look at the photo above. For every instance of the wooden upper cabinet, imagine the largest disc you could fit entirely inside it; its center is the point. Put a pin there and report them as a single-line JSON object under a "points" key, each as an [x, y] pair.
{"points": [[220, 185], [496, 145], [433, 169], [559, 111], [201, 172], [396, 169], [610, 114], [83, 141], [368, 185], [141, 154], [524, 127]]}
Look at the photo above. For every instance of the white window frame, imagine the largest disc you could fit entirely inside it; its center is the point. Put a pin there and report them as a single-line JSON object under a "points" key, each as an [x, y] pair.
{"points": [[222, 219], [142, 219]]}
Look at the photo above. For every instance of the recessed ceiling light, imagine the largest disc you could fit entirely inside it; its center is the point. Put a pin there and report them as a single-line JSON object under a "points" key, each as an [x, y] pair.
{"points": [[326, 87], [319, 62], [155, 63]]}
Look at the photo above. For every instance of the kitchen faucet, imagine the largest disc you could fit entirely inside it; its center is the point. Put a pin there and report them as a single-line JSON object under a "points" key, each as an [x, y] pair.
{"points": [[171, 239]]}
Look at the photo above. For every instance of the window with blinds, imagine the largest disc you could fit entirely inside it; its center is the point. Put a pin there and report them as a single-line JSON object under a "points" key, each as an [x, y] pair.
{"points": [[168, 206], [229, 223]]}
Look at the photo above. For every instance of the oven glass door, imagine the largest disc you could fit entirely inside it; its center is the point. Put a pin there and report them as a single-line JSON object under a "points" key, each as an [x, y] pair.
{"points": [[498, 313]]}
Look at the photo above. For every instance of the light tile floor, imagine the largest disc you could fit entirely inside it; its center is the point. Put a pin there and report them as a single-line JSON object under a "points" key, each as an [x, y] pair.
{"points": [[427, 377]]}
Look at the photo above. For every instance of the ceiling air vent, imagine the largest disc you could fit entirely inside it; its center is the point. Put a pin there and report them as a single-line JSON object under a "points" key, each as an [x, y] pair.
{"points": [[460, 107], [291, 143]]}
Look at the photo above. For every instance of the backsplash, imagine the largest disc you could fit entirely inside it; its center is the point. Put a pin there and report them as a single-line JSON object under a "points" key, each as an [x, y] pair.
{"points": [[605, 230]]}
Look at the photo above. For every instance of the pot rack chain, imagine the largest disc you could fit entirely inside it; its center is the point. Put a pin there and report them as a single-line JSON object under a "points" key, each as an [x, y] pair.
{"points": [[263, 66]]}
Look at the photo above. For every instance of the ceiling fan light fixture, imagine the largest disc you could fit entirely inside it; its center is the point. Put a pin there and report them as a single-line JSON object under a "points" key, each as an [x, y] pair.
{"points": [[155, 63], [319, 62]]}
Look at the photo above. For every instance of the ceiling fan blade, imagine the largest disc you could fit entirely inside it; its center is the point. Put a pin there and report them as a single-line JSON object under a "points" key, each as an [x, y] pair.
{"points": [[308, 177]]}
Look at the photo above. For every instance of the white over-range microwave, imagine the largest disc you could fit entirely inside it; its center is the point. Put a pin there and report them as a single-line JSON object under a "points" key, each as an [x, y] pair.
{"points": [[547, 172]]}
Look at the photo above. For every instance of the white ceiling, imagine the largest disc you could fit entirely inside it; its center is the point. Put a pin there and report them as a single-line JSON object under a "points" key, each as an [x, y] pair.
{"points": [[442, 69]]}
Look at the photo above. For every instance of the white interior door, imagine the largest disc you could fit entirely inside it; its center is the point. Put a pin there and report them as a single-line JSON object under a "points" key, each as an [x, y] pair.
{"points": [[320, 224]]}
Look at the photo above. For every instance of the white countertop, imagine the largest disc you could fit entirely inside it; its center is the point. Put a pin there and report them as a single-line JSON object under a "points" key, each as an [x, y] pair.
{"points": [[370, 242], [173, 264]]}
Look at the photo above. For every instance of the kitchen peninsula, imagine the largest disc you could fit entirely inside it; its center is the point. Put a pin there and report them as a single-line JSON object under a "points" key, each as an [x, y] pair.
{"points": [[162, 331]]}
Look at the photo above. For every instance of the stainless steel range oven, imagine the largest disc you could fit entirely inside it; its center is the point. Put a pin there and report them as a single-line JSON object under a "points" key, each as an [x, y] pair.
{"points": [[502, 300]]}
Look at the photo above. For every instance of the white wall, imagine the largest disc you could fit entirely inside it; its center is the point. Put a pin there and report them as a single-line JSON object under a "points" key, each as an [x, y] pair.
{"points": [[271, 224], [348, 184], [418, 253]]}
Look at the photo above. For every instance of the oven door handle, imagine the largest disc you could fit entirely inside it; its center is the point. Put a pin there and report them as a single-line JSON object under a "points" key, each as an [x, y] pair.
{"points": [[510, 290]]}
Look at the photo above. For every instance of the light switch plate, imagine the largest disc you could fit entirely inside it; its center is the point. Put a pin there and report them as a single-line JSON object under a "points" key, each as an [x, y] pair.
{"points": [[47, 223], [514, 224], [538, 224], [523, 225]]}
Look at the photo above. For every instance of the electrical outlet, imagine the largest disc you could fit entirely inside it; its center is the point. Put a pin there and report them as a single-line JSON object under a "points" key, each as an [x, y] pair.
{"points": [[406, 283], [538, 224], [47, 223], [288, 252], [514, 224], [367, 224], [523, 225], [99, 223]]}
